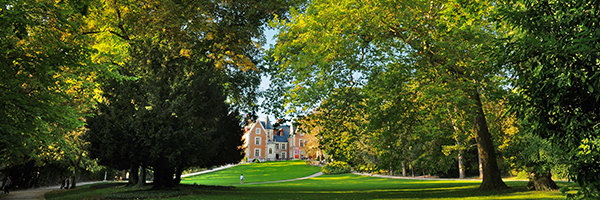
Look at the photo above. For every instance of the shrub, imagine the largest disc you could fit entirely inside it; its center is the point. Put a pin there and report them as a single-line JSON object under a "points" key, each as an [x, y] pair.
{"points": [[336, 167]]}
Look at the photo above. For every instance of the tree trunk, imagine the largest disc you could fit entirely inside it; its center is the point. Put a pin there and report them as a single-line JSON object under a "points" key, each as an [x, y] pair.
{"points": [[461, 164], [541, 181], [491, 174], [178, 172], [142, 178], [403, 169], [479, 164], [74, 179], [163, 177], [75, 166], [133, 175]]}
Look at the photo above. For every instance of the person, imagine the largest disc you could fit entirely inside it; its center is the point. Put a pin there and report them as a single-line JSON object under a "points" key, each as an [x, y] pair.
{"points": [[64, 181], [242, 178], [6, 184], [68, 182]]}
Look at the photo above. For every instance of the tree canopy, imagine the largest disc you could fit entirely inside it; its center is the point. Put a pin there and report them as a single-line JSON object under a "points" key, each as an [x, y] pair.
{"points": [[554, 57], [435, 47]]}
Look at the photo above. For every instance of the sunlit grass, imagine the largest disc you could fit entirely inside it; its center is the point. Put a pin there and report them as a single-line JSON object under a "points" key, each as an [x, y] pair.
{"points": [[255, 172]]}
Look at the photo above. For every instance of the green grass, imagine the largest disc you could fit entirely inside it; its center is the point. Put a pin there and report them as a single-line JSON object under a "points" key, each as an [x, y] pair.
{"points": [[344, 186], [255, 172]]}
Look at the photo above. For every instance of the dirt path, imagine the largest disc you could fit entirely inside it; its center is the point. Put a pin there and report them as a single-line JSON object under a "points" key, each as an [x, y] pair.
{"points": [[36, 193]]}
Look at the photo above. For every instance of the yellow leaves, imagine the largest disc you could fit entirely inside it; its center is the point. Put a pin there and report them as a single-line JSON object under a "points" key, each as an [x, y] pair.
{"points": [[185, 53], [229, 58]]}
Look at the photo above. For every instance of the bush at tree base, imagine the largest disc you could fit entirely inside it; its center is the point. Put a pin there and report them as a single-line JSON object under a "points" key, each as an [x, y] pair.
{"points": [[336, 167]]}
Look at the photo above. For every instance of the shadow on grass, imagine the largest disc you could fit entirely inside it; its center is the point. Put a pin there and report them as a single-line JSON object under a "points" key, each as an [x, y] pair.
{"points": [[181, 190]]}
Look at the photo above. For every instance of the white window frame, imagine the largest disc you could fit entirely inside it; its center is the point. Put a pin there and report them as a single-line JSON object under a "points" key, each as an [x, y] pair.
{"points": [[277, 146], [257, 150], [301, 141], [283, 146], [283, 155], [257, 140], [257, 130], [270, 151]]}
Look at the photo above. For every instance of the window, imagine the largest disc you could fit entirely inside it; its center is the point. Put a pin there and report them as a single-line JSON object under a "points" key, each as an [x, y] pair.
{"points": [[257, 140], [282, 146], [257, 131], [283, 155], [270, 151], [256, 152], [277, 146], [301, 143]]}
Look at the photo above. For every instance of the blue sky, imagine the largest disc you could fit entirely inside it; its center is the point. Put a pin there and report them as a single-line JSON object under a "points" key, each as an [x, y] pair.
{"points": [[264, 84]]}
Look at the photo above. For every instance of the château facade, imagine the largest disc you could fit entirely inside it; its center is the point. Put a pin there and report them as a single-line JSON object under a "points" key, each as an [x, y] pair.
{"points": [[264, 142]]}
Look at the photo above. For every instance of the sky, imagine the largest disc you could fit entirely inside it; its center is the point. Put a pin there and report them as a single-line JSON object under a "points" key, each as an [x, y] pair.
{"points": [[264, 84]]}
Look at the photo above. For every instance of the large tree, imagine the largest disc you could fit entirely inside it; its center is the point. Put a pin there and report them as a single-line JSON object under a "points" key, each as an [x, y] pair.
{"points": [[191, 65], [554, 56], [332, 44], [40, 56], [47, 80]]}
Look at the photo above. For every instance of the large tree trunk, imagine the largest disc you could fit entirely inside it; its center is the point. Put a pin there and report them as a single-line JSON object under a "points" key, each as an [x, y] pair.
{"points": [[178, 172], [133, 175], [163, 177], [541, 181], [491, 174]]}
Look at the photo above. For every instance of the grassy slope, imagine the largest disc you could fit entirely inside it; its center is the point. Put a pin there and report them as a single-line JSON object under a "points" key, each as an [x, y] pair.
{"points": [[256, 172], [345, 186]]}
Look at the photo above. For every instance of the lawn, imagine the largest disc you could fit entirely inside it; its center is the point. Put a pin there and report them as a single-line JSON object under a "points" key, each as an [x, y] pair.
{"points": [[255, 172], [344, 186]]}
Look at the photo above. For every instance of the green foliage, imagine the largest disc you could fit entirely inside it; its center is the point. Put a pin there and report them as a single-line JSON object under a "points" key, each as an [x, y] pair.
{"points": [[397, 70], [336, 167], [188, 76], [554, 56], [45, 76]]}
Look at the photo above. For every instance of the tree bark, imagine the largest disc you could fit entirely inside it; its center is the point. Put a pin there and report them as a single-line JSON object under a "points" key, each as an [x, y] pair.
{"points": [[142, 178], [403, 169], [461, 164], [491, 174], [133, 175], [163, 177], [541, 181], [74, 179], [75, 166], [479, 164], [178, 173]]}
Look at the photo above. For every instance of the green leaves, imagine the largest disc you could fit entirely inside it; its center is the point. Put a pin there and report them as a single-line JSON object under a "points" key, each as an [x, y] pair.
{"points": [[47, 79], [556, 62]]}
